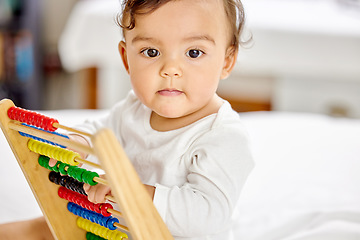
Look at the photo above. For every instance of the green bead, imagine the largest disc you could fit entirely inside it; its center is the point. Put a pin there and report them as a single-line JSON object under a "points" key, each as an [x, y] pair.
{"points": [[55, 168], [62, 167], [44, 161], [71, 170], [75, 172], [89, 177], [79, 174], [91, 236]]}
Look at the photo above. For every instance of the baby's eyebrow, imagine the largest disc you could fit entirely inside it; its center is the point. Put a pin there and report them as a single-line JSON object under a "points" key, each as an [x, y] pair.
{"points": [[140, 38], [144, 39], [200, 37]]}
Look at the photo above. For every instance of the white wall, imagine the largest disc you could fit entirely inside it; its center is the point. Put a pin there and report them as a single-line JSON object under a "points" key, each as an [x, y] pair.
{"points": [[55, 15], [311, 49], [300, 48]]}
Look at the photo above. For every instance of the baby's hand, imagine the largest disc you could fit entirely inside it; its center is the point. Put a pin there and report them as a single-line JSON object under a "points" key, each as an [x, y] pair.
{"points": [[97, 193], [75, 138]]}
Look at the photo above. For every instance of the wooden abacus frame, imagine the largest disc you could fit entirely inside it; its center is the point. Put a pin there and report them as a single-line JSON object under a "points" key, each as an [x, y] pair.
{"points": [[140, 215]]}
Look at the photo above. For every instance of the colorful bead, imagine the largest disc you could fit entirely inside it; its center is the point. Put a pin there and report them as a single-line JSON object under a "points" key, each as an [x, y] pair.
{"points": [[99, 230], [91, 236], [67, 182], [104, 209], [62, 167], [44, 161], [82, 201], [41, 139], [107, 222], [88, 177], [55, 167], [80, 174], [60, 154], [76, 173], [32, 118]]}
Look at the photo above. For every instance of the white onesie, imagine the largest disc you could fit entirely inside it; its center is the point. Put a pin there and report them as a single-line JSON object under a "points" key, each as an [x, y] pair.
{"points": [[198, 170]]}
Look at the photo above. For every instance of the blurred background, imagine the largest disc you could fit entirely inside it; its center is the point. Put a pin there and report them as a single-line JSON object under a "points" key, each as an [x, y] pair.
{"points": [[304, 56]]}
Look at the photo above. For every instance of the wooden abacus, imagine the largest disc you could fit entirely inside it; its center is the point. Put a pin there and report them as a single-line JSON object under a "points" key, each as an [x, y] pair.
{"points": [[137, 210]]}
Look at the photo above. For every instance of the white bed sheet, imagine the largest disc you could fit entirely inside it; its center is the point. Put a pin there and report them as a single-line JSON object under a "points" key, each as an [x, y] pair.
{"points": [[306, 181], [305, 184]]}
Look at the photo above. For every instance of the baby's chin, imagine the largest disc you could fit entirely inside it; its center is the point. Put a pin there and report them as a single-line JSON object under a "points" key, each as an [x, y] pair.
{"points": [[169, 115]]}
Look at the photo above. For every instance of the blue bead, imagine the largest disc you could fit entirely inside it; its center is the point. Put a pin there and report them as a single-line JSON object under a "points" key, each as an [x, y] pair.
{"points": [[110, 223], [69, 206], [41, 139]]}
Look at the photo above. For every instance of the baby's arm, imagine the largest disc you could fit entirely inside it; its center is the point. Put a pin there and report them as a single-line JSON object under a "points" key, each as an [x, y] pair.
{"points": [[74, 138], [97, 193], [203, 205]]}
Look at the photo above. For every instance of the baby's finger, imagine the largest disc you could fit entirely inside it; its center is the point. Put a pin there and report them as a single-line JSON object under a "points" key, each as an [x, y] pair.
{"points": [[91, 195], [86, 188], [52, 162], [101, 194], [96, 194]]}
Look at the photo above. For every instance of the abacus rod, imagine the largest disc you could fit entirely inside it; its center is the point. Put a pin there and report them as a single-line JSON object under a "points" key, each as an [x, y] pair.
{"points": [[80, 160], [57, 125], [17, 126], [101, 180], [115, 212], [57, 139], [122, 227]]}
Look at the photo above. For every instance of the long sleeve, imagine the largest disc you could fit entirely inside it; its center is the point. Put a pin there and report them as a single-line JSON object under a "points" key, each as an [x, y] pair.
{"points": [[220, 163], [198, 170]]}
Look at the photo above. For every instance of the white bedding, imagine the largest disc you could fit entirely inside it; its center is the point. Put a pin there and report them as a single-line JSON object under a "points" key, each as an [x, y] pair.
{"points": [[306, 183]]}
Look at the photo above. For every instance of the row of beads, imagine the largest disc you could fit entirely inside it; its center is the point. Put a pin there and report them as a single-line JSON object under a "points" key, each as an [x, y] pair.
{"points": [[32, 118], [80, 174], [99, 230], [91, 236], [107, 222], [68, 182], [81, 200], [60, 154], [41, 139], [47, 124]]}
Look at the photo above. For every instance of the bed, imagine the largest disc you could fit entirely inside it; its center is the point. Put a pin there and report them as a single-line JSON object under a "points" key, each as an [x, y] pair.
{"points": [[305, 184]]}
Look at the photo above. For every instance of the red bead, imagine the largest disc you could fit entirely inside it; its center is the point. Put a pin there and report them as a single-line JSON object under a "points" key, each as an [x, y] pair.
{"points": [[51, 125], [97, 207], [32, 118], [11, 112], [62, 192], [84, 203], [104, 208]]}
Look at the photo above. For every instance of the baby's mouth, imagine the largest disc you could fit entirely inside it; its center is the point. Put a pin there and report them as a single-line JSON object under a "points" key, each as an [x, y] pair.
{"points": [[170, 92]]}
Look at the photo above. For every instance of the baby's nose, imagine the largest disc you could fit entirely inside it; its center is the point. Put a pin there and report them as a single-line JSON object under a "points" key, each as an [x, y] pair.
{"points": [[171, 69]]}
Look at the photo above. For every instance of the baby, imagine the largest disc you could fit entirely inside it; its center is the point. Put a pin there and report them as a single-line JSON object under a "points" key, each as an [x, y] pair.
{"points": [[188, 146], [186, 143]]}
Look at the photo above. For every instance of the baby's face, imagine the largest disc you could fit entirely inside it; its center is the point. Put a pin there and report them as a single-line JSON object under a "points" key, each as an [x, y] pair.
{"points": [[176, 56]]}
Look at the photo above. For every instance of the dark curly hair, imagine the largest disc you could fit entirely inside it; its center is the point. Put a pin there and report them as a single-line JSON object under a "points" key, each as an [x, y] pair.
{"points": [[234, 11]]}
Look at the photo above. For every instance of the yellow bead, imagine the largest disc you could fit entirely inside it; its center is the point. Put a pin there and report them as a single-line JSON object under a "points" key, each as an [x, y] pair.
{"points": [[57, 153], [100, 230]]}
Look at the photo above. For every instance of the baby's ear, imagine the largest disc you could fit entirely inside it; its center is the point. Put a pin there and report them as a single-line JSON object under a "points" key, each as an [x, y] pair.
{"points": [[123, 54], [229, 61]]}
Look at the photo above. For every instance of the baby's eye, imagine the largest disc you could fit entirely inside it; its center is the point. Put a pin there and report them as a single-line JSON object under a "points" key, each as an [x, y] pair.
{"points": [[150, 52], [194, 53]]}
